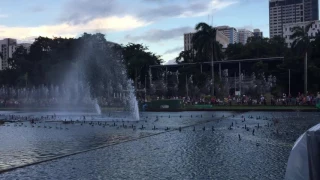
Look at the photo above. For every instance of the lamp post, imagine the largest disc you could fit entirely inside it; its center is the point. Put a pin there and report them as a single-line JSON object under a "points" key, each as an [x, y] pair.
{"points": [[289, 82]]}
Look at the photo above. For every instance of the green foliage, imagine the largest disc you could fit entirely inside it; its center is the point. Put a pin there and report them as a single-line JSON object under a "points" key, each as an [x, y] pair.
{"points": [[49, 61], [301, 38], [138, 59], [185, 57], [205, 43], [256, 47]]}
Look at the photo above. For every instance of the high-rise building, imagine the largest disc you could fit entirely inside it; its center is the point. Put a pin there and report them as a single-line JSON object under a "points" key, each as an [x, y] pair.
{"points": [[7, 48], [290, 11], [243, 35], [287, 30], [220, 37], [257, 33], [230, 32], [311, 10]]}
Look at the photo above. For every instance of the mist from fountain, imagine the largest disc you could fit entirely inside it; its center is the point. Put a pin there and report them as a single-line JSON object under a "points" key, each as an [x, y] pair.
{"points": [[96, 72], [99, 66], [97, 107]]}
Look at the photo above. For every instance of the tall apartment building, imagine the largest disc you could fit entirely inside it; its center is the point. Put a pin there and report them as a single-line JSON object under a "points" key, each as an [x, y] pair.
{"points": [[220, 37], [230, 32], [243, 35], [290, 11], [7, 48], [311, 10], [257, 33], [287, 30]]}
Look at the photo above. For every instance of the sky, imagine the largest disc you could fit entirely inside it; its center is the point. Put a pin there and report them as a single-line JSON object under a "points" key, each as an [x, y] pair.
{"points": [[158, 24]]}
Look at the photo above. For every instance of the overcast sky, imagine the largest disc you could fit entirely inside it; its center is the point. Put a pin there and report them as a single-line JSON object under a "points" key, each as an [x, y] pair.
{"points": [[159, 24]]}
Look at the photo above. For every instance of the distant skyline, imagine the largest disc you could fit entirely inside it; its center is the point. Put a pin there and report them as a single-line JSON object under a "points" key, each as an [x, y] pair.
{"points": [[159, 24]]}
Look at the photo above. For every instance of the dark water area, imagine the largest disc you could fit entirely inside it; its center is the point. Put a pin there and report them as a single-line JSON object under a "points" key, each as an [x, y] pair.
{"points": [[179, 145]]}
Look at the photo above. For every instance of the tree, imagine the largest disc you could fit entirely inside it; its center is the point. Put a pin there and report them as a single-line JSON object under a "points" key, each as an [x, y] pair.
{"points": [[234, 51], [185, 57], [257, 47], [302, 43], [204, 42], [138, 60], [277, 46]]}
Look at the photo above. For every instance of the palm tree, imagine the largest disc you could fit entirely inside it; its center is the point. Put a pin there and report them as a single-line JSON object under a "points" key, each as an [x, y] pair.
{"points": [[185, 57], [204, 42], [302, 41]]}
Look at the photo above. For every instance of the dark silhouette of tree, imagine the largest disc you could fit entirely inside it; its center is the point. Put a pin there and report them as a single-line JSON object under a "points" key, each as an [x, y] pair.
{"points": [[302, 43]]}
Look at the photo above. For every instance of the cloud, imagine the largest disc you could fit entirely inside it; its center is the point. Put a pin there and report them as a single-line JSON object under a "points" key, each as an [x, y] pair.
{"points": [[36, 9], [156, 35], [248, 27], [83, 11], [27, 39], [174, 50], [68, 30], [158, 1], [4, 15], [188, 9], [172, 61]]}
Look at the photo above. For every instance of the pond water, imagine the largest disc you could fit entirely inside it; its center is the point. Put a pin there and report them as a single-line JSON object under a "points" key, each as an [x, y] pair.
{"points": [[179, 145]]}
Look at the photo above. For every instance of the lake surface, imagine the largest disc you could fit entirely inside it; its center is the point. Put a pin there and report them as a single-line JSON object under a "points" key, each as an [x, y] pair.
{"points": [[180, 145]]}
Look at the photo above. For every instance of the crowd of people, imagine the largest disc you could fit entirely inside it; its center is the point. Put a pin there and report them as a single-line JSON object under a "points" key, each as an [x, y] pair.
{"points": [[287, 100]]}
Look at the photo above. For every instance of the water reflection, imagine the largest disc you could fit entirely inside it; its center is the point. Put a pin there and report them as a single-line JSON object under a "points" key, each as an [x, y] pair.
{"points": [[206, 147]]}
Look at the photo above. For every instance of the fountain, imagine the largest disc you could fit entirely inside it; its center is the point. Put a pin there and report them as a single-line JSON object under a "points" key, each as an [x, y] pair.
{"points": [[97, 107], [96, 71]]}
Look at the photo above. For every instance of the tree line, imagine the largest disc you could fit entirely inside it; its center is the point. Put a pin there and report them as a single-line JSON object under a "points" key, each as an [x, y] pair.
{"points": [[304, 52], [49, 60]]}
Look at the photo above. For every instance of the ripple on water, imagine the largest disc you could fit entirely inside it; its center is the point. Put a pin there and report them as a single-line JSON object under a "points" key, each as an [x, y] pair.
{"points": [[172, 155]]}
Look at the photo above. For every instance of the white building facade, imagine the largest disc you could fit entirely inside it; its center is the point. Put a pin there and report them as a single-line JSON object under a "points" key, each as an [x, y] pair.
{"points": [[243, 35], [230, 32], [7, 48], [287, 30]]}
